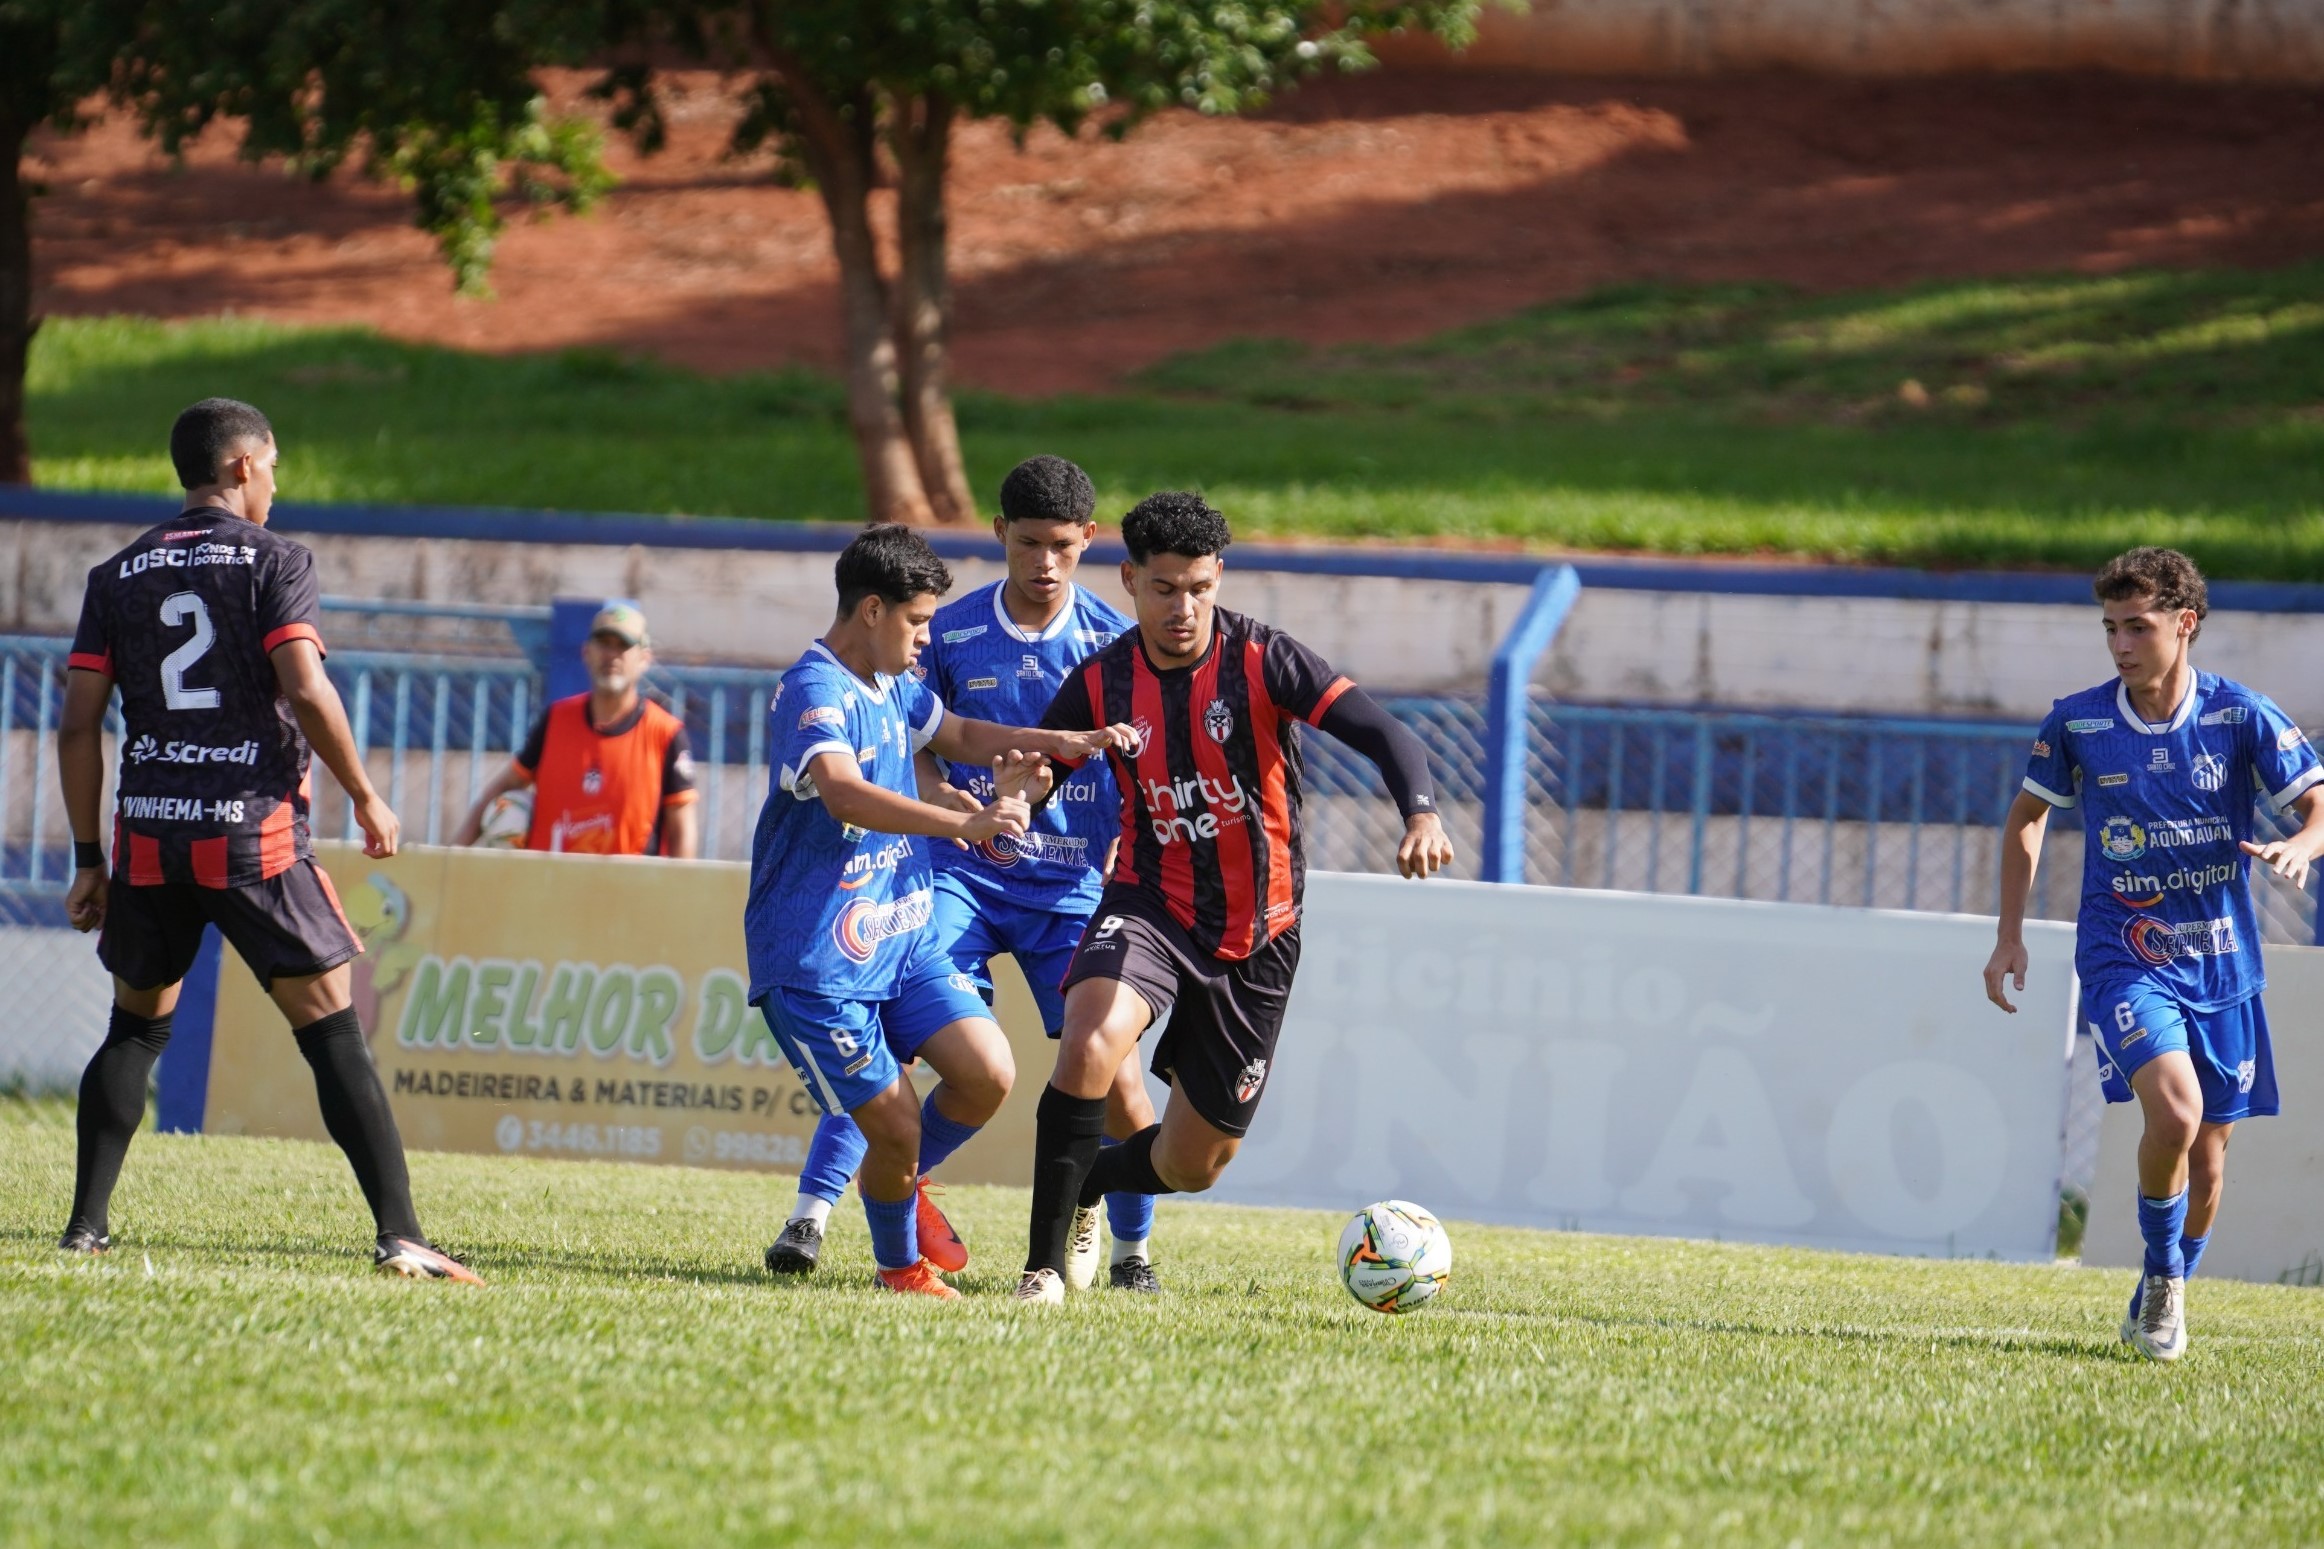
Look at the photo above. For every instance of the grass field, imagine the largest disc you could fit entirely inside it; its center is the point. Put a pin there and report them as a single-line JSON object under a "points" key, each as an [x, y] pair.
{"points": [[2041, 421], [232, 1374]]}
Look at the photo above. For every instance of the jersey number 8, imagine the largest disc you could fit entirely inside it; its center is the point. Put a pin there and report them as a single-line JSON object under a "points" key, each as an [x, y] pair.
{"points": [[176, 609]]}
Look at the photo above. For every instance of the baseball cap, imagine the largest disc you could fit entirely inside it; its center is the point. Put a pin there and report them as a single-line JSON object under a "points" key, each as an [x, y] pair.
{"points": [[620, 618]]}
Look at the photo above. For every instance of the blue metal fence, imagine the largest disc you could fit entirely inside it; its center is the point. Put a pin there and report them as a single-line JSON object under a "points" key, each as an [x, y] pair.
{"points": [[1864, 811]]}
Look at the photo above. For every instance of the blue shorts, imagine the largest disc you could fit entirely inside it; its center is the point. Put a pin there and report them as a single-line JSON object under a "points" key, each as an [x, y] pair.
{"points": [[847, 1052], [973, 928], [2133, 1022]]}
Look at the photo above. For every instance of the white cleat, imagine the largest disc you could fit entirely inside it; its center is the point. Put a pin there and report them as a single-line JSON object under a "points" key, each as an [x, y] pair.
{"points": [[1042, 1288], [1081, 1253], [2159, 1332]]}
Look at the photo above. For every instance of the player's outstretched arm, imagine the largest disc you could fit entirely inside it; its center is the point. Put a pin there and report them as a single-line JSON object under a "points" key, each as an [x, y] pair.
{"points": [[849, 797], [967, 741], [298, 669], [80, 762], [2291, 858], [1363, 723], [2021, 854]]}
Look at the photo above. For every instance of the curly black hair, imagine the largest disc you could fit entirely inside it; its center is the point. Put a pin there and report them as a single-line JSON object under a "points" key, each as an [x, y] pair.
{"points": [[1174, 521], [211, 432], [1047, 489], [2166, 575], [890, 562]]}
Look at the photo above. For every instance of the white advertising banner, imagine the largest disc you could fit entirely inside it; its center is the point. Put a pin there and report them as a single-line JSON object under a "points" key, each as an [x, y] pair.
{"points": [[1626, 1063]]}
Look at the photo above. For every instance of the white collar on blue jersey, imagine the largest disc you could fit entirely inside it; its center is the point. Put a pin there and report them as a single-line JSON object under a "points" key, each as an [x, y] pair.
{"points": [[1057, 626], [2178, 716], [876, 690]]}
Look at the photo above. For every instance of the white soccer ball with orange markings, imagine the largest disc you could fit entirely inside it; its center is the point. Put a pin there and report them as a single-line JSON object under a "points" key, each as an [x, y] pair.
{"points": [[1394, 1256]]}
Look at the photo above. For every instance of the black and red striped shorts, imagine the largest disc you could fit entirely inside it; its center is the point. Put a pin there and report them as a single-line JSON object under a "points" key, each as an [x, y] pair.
{"points": [[285, 927]]}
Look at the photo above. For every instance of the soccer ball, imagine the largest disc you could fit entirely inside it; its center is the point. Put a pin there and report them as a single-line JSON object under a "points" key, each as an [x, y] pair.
{"points": [[507, 820], [1394, 1256]]}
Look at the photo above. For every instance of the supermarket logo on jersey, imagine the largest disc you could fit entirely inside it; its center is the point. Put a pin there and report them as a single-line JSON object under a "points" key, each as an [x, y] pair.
{"points": [[863, 925], [2159, 942], [1223, 807], [151, 750], [1005, 850]]}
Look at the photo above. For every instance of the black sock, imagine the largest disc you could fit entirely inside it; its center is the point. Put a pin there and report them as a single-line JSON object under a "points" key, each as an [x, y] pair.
{"points": [[1065, 1136], [355, 1111], [112, 1107], [1126, 1169]]}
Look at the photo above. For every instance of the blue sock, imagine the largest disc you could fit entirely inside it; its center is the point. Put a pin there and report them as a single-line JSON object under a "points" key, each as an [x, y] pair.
{"points": [[1130, 1216], [940, 1136], [2191, 1249], [2160, 1222], [832, 1157], [895, 1230]]}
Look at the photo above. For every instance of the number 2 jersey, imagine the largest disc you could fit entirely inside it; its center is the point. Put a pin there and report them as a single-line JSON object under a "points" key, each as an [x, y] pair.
{"points": [[213, 786], [835, 909], [2165, 890], [983, 663]]}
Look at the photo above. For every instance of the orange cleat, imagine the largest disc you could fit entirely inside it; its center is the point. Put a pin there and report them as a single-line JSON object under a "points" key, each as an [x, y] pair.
{"points": [[416, 1260], [919, 1280], [940, 1245]]}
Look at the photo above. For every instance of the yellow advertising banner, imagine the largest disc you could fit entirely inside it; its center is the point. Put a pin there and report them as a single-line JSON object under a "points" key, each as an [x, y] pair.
{"points": [[566, 1006]]}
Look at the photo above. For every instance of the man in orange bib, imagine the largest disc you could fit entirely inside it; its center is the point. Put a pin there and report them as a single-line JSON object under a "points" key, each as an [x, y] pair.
{"points": [[611, 771]]}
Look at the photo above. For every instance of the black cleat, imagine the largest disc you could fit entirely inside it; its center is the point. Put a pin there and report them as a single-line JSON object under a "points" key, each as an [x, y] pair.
{"points": [[1133, 1275], [797, 1251], [82, 1239]]}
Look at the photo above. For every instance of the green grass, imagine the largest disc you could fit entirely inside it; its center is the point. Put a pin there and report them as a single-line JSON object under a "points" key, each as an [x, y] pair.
{"points": [[2044, 421], [232, 1374]]}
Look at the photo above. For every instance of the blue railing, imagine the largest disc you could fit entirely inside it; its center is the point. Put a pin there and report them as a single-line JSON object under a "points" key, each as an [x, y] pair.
{"points": [[1865, 811]]}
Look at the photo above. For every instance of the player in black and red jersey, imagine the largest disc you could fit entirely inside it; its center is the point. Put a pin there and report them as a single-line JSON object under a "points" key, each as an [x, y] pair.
{"points": [[1200, 922], [207, 624]]}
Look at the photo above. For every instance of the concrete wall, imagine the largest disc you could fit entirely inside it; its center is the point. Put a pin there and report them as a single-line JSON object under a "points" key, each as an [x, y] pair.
{"points": [[2242, 40], [1629, 643]]}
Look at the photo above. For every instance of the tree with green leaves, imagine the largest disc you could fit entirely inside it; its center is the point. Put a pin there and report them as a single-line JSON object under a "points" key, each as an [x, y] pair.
{"points": [[437, 95], [851, 94]]}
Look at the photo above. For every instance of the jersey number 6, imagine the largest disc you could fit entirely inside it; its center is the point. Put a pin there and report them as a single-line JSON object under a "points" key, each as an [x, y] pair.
{"points": [[176, 609]]}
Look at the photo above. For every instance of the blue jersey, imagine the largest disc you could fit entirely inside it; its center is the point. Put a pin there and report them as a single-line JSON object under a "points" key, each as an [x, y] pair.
{"points": [[834, 908], [980, 661], [2165, 890]]}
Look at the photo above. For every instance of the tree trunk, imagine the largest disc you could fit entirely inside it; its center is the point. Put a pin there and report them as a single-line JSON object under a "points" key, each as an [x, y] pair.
{"points": [[921, 134], [838, 149], [16, 322]]}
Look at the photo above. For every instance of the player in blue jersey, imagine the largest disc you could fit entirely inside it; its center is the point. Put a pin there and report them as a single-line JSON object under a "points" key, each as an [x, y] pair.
{"points": [[2165, 765], [1002, 651], [843, 962]]}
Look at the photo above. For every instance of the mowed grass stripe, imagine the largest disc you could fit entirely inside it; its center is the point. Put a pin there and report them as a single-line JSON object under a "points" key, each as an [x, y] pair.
{"points": [[2035, 421], [631, 1376]]}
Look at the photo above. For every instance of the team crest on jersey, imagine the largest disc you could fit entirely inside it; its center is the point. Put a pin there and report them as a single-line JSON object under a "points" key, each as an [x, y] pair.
{"points": [[592, 781], [2209, 772], [2121, 839], [1218, 720], [1140, 735], [1247, 1085]]}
